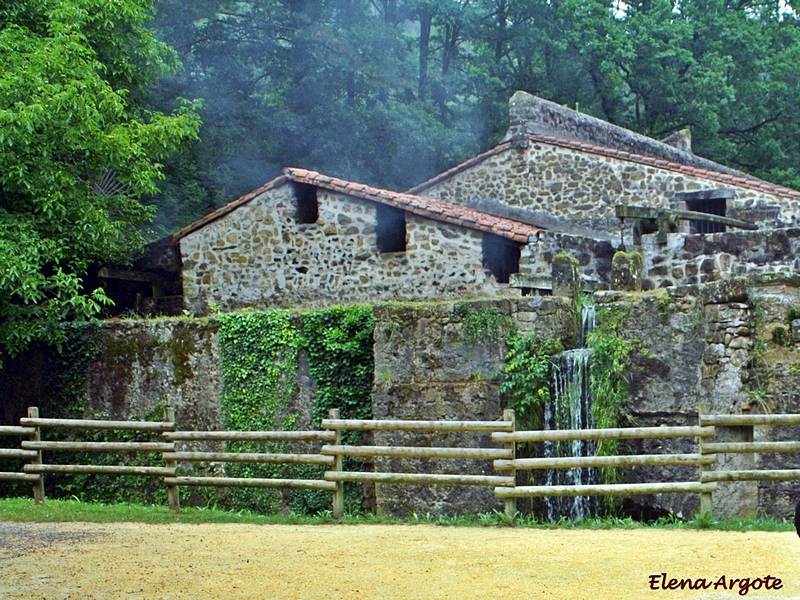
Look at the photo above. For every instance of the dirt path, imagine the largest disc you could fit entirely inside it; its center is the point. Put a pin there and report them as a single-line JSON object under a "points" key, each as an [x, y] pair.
{"points": [[83, 561]]}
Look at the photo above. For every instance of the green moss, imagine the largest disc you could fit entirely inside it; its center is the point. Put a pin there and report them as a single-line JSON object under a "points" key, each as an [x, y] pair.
{"points": [[481, 324], [609, 385], [181, 347]]}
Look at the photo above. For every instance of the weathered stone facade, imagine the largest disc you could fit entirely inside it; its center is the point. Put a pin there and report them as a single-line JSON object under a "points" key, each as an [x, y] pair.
{"points": [[583, 186], [425, 369], [700, 258], [261, 256]]}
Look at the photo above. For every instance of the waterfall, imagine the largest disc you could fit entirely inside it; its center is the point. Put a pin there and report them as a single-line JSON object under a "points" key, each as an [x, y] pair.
{"points": [[571, 408]]}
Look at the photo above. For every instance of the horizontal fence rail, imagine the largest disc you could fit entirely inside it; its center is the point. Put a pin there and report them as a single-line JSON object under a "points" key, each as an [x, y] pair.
{"points": [[621, 489], [38, 468], [337, 450], [331, 452], [756, 448], [627, 433], [275, 458], [421, 426], [93, 424], [14, 453]]}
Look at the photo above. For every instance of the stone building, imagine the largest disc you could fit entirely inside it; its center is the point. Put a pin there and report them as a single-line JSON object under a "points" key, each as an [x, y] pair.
{"points": [[491, 226]]}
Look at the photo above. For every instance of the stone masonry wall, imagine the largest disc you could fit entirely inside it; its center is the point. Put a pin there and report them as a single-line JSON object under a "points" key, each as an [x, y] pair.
{"points": [[594, 257], [586, 187], [425, 369], [700, 258], [260, 256]]}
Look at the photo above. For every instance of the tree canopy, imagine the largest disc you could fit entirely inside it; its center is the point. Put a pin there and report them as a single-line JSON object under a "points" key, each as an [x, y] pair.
{"points": [[77, 152], [393, 91]]}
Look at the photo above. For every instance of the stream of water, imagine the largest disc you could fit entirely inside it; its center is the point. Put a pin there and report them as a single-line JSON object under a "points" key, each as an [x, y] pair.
{"points": [[571, 408]]}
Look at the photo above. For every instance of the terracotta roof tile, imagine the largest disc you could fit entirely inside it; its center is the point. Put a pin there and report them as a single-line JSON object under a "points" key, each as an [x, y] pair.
{"points": [[420, 205]]}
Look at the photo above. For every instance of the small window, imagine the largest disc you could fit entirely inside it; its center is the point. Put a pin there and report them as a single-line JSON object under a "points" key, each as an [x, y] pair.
{"points": [[500, 256], [390, 228], [711, 202], [715, 206], [307, 206]]}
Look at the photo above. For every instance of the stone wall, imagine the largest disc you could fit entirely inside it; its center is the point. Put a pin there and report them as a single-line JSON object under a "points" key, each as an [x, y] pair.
{"points": [[594, 257], [700, 258], [717, 343], [426, 369], [585, 187], [713, 344], [260, 256]]}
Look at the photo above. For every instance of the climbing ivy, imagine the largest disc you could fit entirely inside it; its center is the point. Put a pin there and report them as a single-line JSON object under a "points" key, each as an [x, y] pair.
{"points": [[483, 324], [339, 344], [259, 355], [258, 352]]}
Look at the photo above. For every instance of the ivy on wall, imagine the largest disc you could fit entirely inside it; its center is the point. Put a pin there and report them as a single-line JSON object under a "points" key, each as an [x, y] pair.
{"points": [[259, 353]]}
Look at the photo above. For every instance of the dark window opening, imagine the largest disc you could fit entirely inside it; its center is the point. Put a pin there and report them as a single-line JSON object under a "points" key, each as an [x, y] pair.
{"points": [[390, 227], [711, 206], [500, 256], [307, 206]]}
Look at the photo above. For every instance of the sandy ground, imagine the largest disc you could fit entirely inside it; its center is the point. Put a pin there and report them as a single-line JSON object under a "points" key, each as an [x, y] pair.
{"points": [[169, 562]]}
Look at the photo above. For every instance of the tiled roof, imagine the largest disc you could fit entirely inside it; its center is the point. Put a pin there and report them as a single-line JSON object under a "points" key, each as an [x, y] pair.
{"points": [[418, 205], [229, 207], [747, 182]]}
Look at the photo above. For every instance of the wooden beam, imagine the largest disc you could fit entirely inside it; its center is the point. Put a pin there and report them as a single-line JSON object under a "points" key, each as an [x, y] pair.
{"points": [[140, 276]]}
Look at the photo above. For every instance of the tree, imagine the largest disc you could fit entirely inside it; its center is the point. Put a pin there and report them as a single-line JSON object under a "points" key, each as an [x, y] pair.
{"points": [[76, 154]]}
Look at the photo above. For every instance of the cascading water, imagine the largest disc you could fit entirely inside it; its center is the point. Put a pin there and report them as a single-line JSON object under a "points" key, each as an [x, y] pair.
{"points": [[571, 408]]}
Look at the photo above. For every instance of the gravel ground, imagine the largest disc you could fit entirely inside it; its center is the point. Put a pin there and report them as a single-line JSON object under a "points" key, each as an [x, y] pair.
{"points": [[84, 561]]}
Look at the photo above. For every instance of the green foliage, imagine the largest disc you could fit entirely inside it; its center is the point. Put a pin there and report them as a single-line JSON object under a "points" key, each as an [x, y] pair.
{"points": [[340, 358], [65, 511], [481, 325], [339, 345], [259, 354], [70, 71], [527, 377], [608, 382]]}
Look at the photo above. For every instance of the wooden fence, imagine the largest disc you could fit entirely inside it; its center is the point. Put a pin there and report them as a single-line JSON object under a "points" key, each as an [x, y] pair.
{"points": [[339, 476], [32, 455], [252, 457], [619, 489], [750, 447], [39, 468], [332, 452]]}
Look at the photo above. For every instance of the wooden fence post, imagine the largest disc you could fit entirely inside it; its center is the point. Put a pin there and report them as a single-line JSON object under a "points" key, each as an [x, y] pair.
{"points": [[511, 503], [173, 493], [338, 493], [706, 498], [36, 436]]}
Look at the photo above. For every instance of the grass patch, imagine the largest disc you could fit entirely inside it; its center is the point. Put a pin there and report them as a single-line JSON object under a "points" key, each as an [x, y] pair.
{"points": [[60, 511]]}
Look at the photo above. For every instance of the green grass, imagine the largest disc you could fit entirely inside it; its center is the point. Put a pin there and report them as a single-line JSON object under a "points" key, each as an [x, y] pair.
{"points": [[24, 509]]}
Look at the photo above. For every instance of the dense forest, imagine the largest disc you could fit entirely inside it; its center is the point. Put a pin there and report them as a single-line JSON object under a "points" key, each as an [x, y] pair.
{"points": [[122, 121], [390, 92]]}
